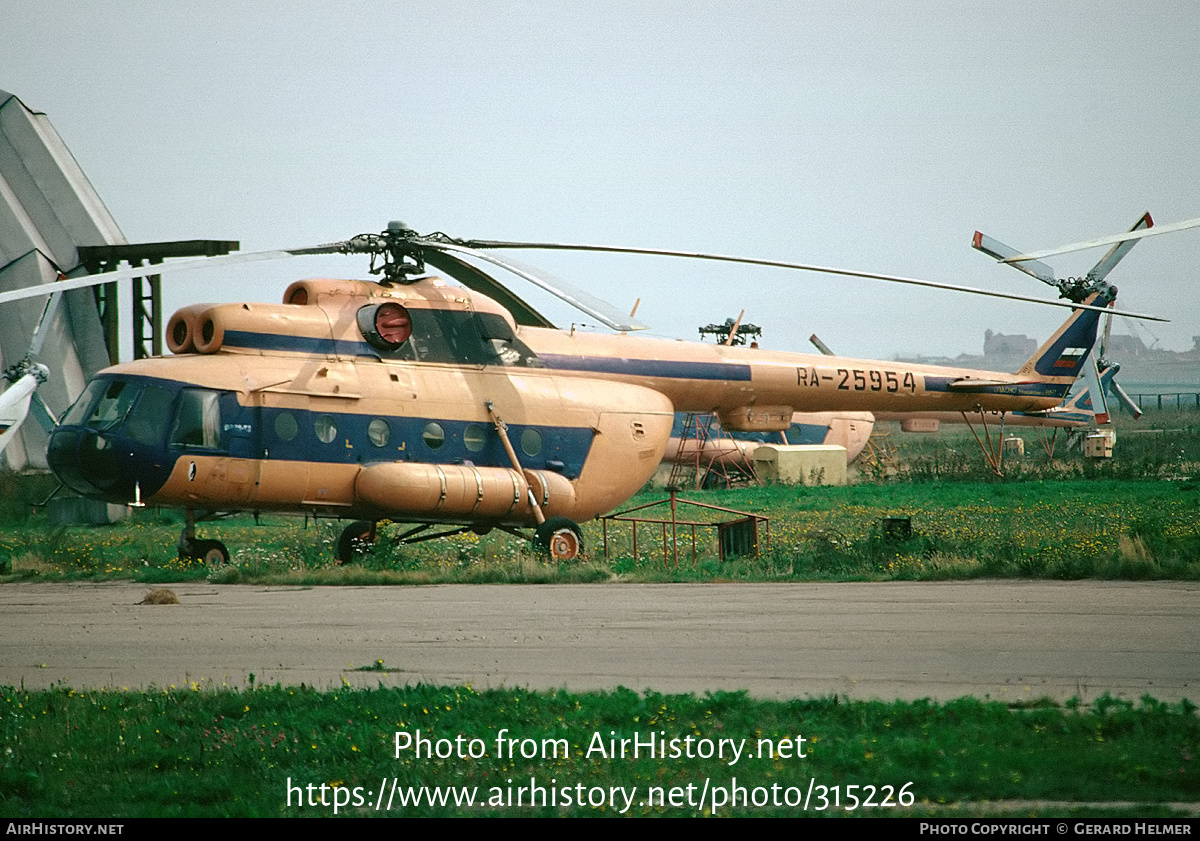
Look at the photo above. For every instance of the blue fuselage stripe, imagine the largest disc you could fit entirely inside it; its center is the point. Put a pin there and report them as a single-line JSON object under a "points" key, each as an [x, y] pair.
{"points": [[276, 342], [668, 369]]}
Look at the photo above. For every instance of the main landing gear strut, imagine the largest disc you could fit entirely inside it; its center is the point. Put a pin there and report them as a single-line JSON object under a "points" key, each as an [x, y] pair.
{"points": [[212, 552], [559, 538]]}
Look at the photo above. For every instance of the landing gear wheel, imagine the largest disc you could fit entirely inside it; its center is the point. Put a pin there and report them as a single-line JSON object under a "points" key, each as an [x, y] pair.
{"points": [[560, 538], [355, 541], [212, 552]]}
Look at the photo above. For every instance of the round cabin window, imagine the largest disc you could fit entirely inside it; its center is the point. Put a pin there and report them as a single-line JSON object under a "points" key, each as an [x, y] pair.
{"points": [[379, 432], [531, 442], [286, 426], [326, 429], [474, 437], [433, 435]]}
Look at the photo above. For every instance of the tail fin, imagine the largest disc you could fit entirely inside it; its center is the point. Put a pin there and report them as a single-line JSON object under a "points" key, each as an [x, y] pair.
{"points": [[1063, 355]]}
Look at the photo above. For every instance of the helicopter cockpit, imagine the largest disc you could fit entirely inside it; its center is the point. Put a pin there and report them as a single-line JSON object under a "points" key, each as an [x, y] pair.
{"points": [[460, 337], [119, 431]]}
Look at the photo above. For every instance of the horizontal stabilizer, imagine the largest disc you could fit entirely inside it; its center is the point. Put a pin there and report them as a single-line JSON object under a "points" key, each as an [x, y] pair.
{"points": [[971, 382]]}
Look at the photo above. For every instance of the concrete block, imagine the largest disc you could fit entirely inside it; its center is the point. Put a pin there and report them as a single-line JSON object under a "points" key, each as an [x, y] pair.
{"points": [[801, 464]]}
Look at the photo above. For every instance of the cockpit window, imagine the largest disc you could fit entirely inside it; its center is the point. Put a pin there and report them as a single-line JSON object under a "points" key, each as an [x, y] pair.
{"points": [[110, 409], [502, 344], [436, 335], [151, 416], [78, 412], [198, 423], [385, 326]]}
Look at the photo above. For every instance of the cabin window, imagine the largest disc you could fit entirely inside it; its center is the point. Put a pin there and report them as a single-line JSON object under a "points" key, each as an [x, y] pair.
{"points": [[379, 432], [434, 436], [286, 427], [531, 442], [198, 422], [326, 429], [474, 437]]}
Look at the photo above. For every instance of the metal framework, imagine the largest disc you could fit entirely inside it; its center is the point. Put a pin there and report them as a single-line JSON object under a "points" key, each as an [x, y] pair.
{"points": [[739, 536], [717, 457], [147, 298]]}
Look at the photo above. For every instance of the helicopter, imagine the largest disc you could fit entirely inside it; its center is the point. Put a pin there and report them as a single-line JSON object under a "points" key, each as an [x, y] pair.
{"points": [[459, 407], [707, 447]]}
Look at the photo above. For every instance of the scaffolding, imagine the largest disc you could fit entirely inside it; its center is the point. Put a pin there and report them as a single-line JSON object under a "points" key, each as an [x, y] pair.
{"points": [[708, 456]]}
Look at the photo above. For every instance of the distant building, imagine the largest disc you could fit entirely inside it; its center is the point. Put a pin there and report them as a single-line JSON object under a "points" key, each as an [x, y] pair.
{"points": [[1143, 368], [998, 344], [1125, 347]]}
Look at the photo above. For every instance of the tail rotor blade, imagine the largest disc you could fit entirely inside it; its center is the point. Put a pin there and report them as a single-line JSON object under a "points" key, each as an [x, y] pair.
{"points": [[1124, 399], [1091, 376], [1001, 252], [1103, 346], [1080, 246], [733, 329], [1117, 252], [820, 345]]}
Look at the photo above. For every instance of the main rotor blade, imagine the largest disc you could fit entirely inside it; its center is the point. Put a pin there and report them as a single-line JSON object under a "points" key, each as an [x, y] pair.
{"points": [[1080, 246], [753, 261], [480, 281], [14, 406], [155, 269], [590, 304]]}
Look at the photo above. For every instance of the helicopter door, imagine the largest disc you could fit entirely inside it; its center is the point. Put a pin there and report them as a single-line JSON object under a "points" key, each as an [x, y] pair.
{"points": [[218, 437]]}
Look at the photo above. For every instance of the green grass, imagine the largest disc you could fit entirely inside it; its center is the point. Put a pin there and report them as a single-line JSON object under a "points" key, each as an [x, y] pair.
{"points": [[1134, 517], [1061, 529], [204, 753]]}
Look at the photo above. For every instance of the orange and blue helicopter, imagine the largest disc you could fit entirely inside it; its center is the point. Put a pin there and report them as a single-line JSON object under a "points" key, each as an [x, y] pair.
{"points": [[459, 407]]}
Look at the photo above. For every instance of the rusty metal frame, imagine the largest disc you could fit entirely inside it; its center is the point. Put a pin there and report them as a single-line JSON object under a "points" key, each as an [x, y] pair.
{"points": [[674, 522]]}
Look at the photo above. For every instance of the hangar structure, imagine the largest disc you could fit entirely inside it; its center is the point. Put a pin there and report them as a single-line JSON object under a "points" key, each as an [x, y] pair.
{"points": [[47, 210], [52, 223]]}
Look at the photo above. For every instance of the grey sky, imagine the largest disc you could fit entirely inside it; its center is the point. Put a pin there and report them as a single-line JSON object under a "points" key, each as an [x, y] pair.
{"points": [[874, 136]]}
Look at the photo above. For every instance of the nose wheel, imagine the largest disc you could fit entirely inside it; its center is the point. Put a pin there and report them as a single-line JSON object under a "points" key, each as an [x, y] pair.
{"points": [[560, 539]]}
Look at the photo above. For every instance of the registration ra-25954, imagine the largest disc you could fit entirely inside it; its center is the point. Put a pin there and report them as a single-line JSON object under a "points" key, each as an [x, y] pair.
{"points": [[857, 379]]}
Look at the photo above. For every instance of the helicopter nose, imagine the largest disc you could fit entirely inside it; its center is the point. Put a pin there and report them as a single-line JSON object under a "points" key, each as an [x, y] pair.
{"points": [[105, 451], [90, 463]]}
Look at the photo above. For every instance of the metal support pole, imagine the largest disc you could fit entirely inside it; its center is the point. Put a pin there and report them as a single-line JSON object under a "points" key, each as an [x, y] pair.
{"points": [[502, 428]]}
